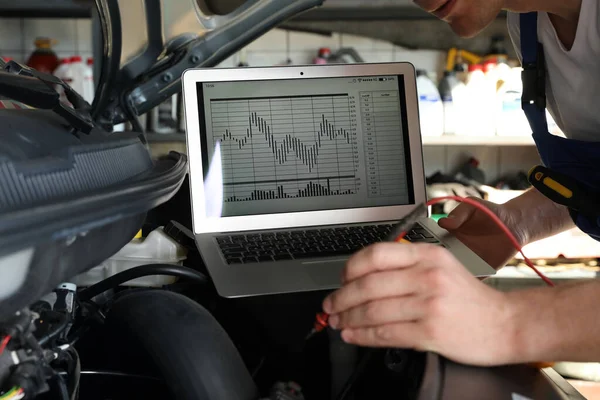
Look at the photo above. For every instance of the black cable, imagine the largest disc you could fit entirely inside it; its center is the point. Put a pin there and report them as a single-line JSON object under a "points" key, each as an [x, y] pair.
{"points": [[74, 373], [138, 272], [61, 388], [116, 374], [59, 323]]}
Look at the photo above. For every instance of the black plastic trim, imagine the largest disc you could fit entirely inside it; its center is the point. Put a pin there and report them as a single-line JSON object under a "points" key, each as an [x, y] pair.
{"points": [[69, 217]]}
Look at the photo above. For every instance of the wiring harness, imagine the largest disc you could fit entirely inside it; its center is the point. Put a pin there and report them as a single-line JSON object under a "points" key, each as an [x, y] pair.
{"points": [[24, 365]]}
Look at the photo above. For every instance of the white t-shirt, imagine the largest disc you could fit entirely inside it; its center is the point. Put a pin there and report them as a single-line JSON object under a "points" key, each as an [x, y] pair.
{"points": [[573, 79]]}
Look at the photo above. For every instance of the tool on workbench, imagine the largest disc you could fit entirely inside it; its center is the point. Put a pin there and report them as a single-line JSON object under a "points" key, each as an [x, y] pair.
{"points": [[563, 190]]}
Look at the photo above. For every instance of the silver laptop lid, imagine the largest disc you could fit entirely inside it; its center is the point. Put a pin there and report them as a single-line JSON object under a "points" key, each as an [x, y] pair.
{"points": [[302, 146]]}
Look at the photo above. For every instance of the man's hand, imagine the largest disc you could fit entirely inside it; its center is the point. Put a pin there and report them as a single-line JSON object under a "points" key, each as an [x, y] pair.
{"points": [[419, 296], [478, 232]]}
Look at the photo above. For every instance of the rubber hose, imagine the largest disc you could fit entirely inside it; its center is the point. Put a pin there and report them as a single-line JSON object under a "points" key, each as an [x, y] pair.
{"points": [[194, 355], [141, 271]]}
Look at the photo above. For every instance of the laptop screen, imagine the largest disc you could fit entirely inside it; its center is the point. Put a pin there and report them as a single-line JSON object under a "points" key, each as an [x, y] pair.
{"points": [[280, 146]]}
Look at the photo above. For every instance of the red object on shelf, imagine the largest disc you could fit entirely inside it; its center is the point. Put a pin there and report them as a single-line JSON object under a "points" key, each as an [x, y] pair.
{"points": [[43, 58], [489, 66], [325, 52], [475, 67]]}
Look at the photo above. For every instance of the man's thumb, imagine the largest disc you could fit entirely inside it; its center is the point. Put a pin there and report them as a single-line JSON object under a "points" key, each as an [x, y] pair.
{"points": [[457, 217]]}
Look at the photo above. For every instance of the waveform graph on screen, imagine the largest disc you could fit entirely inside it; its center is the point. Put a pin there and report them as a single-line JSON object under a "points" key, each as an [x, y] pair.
{"points": [[287, 147]]}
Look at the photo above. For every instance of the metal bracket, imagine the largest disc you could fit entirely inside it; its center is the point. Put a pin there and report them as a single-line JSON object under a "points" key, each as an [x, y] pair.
{"points": [[226, 35]]}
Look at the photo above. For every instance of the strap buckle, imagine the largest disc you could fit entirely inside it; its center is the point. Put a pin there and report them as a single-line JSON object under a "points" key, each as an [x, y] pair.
{"points": [[534, 81]]}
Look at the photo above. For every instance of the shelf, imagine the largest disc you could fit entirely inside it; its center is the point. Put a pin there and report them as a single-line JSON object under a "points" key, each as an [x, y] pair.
{"points": [[450, 140], [45, 9]]}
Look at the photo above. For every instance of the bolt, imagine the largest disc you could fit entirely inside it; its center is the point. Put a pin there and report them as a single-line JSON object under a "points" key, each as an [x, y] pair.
{"points": [[194, 59], [167, 77]]}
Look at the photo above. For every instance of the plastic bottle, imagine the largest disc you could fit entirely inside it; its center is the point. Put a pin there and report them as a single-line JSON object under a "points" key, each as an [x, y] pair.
{"points": [[323, 56], [489, 69], [78, 70], [481, 97], [461, 69], [431, 109], [88, 81], [493, 83], [43, 57], [156, 248], [504, 73], [62, 72], [452, 92], [511, 119]]}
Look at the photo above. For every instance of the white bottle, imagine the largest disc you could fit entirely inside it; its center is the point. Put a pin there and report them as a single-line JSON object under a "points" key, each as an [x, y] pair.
{"points": [[157, 248], [504, 73], [481, 95], [88, 81], [78, 73], [431, 109], [62, 72], [453, 96], [512, 120]]}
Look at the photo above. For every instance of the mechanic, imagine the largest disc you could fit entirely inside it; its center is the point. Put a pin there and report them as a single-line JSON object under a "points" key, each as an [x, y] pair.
{"points": [[419, 296]]}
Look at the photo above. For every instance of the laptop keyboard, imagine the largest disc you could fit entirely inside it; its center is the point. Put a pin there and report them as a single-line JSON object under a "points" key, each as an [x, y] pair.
{"points": [[310, 243]]}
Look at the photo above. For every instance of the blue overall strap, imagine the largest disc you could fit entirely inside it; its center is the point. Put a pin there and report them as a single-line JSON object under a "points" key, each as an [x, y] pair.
{"points": [[533, 101]]}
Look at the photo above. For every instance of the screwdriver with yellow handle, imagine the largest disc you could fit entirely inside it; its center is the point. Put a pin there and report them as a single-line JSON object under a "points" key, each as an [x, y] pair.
{"points": [[562, 189]]}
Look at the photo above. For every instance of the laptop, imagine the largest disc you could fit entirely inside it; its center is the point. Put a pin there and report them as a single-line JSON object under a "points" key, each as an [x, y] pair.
{"points": [[294, 169]]}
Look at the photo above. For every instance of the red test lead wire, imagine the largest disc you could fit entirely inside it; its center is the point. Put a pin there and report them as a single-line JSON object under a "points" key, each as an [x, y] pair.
{"points": [[322, 318], [321, 322], [500, 224]]}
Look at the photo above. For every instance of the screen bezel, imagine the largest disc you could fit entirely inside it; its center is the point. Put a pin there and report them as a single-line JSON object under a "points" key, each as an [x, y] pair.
{"points": [[204, 224]]}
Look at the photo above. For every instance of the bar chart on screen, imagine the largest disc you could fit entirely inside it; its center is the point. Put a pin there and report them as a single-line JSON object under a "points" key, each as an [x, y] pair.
{"points": [[288, 146]]}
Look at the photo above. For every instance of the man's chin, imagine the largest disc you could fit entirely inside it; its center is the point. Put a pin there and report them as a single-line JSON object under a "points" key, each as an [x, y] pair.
{"points": [[466, 29]]}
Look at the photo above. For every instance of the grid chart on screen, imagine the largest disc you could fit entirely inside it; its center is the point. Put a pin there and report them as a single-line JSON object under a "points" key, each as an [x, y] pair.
{"points": [[286, 147]]}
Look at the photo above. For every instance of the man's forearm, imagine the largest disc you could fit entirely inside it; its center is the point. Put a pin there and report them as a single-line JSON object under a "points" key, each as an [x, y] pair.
{"points": [[536, 217], [554, 324]]}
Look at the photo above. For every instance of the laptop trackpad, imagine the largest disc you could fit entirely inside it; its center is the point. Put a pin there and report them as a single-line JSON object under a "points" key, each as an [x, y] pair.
{"points": [[326, 272]]}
